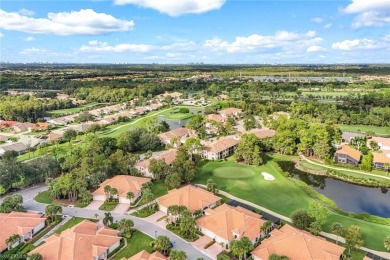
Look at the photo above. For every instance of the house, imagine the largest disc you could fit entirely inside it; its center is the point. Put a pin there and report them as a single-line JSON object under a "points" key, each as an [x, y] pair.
{"points": [[262, 133], [23, 127], [7, 124], [173, 95], [108, 120], [124, 184], [26, 225], [223, 97], [220, 149], [225, 223], [53, 136], [383, 143], [231, 111], [347, 137], [86, 240], [176, 137], [59, 121], [144, 255], [17, 147], [211, 120], [41, 126], [381, 161], [347, 155], [153, 107], [296, 245], [194, 198], [168, 156], [82, 127]]}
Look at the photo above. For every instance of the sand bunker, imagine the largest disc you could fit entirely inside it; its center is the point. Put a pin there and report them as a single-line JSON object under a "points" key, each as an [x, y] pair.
{"points": [[267, 176]]}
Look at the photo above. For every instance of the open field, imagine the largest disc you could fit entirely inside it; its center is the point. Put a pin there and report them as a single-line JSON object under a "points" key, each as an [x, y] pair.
{"points": [[280, 195], [138, 242], [378, 130], [74, 110]]}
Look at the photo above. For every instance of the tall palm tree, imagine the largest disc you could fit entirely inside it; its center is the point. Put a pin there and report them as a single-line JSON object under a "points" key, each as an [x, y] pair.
{"points": [[130, 196], [265, 227], [338, 230], [162, 244], [387, 243], [12, 240], [114, 192], [108, 219], [107, 191], [211, 186], [246, 245]]}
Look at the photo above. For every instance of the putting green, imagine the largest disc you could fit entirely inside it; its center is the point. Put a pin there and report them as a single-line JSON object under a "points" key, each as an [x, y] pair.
{"points": [[233, 172]]}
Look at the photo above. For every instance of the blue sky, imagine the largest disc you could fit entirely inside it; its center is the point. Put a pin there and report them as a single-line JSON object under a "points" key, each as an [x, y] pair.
{"points": [[183, 31]]}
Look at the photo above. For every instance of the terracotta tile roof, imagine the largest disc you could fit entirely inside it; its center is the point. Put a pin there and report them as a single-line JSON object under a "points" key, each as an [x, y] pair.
{"points": [[297, 245], [381, 158], [144, 255], [123, 183], [7, 123], [24, 125], [55, 136], [192, 197], [179, 132], [262, 133], [18, 147], [17, 223], [382, 140], [41, 126], [350, 135], [351, 152], [215, 117], [221, 145], [168, 156], [226, 221], [86, 240], [230, 111]]}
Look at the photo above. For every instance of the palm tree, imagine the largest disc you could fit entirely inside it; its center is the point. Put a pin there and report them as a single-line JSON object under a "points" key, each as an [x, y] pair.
{"points": [[125, 225], [172, 210], [211, 186], [12, 240], [52, 210], [114, 192], [246, 245], [130, 196], [162, 244], [265, 227], [187, 223], [338, 230], [107, 191], [108, 219], [148, 196], [236, 248], [177, 255], [387, 243], [35, 256]]}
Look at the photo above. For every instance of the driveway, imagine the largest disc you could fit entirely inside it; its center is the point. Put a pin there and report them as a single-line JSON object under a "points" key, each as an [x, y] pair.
{"points": [[211, 251], [153, 218], [121, 208], [94, 205]]}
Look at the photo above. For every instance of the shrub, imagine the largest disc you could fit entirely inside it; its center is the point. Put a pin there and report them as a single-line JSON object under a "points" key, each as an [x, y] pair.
{"points": [[209, 244]]}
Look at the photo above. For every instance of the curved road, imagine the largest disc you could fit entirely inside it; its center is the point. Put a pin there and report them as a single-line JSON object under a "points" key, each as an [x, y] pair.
{"points": [[146, 227]]}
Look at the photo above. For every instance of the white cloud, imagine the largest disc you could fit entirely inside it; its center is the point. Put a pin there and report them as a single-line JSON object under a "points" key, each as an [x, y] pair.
{"points": [[96, 46], [315, 48], [33, 51], [370, 12], [317, 19], [371, 18], [26, 12], [359, 6], [357, 44], [327, 26], [176, 7], [29, 39], [256, 42], [83, 22]]}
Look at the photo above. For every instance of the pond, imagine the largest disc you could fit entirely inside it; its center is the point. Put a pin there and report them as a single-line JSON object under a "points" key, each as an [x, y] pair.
{"points": [[348, 197], [174, 124]]}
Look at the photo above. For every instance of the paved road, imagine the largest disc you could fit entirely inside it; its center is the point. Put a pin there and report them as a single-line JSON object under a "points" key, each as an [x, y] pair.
{"points": [[146, 227], [342, 169]]}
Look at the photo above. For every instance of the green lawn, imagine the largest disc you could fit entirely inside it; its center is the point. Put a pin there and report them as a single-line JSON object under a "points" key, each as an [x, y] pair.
{"points": [[73, 109], [378, 130], [280, 195], [246, 182], [108, 206], [73, 222], [138, 242], [43, 197], [159, 189]]}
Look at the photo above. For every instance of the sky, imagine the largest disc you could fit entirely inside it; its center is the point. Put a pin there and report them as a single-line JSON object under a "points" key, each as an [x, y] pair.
{"points": [[195, 31]]}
